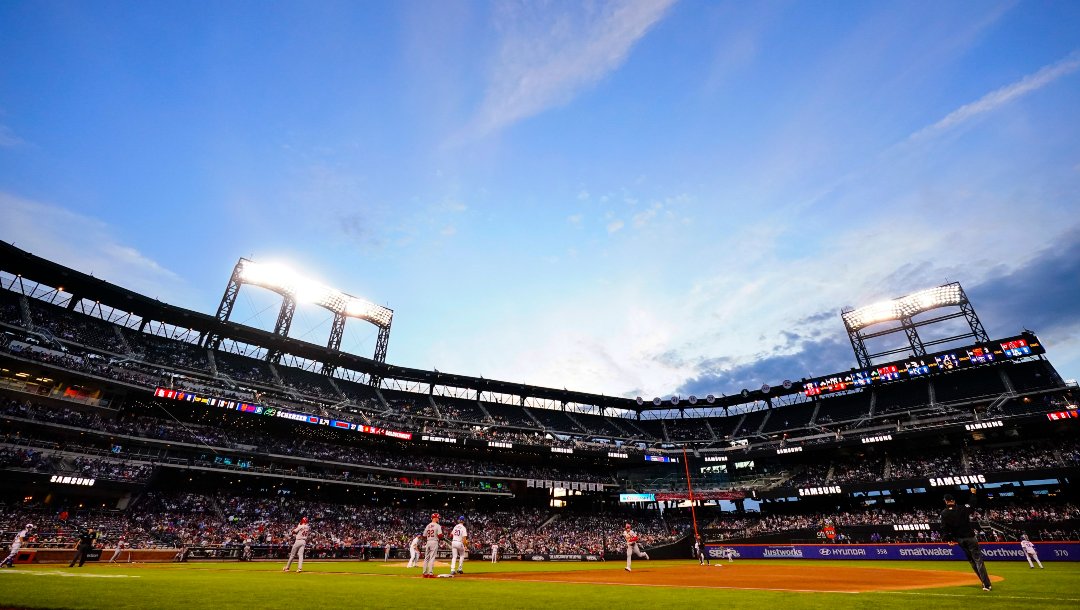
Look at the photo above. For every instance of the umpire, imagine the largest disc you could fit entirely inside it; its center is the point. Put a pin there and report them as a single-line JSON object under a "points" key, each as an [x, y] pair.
{"points": [[956, 528], [86, 544]]}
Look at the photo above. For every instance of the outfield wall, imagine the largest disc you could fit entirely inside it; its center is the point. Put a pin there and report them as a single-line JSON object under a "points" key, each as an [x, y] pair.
{"points": [[993, 551]]}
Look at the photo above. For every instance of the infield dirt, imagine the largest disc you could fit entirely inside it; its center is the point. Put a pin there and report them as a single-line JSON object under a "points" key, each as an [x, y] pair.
{"points": [[759, 577]]}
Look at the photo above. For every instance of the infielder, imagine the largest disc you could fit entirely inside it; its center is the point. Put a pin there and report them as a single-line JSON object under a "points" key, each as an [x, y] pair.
{"points": [[458, 546], [432, 534], [495, 552], [386, 553], [632, 548], [16, 544], [301, 532], [414, 551], [1029, 552]]}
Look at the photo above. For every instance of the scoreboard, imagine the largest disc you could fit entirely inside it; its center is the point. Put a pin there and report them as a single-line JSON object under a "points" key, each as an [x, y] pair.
{"points": [[984, 353]]}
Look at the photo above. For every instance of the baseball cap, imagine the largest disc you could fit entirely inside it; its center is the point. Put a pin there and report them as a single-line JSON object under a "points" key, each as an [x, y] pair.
{"points": [[627, 526], [29, 526], [461, 518], [948, 498]]}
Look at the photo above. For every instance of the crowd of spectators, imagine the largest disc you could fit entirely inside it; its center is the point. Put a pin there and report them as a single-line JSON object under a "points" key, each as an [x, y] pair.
{"points": [[260, 446], [181, 519]]}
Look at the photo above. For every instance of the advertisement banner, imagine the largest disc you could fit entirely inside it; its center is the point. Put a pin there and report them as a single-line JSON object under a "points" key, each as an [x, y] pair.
{"points": [[560, 557], [992, 551]]}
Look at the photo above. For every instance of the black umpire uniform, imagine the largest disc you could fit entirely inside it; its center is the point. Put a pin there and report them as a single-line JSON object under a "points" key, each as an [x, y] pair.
{"points": [[86, 544], [956, 527]]}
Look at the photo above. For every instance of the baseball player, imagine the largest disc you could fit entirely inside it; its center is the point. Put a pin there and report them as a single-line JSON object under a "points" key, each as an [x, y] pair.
{"points": [[956, 528], [459, 540], [301, 532], [119, 548], [432, 534], [494, 552], [414, 551], [730, 554], [386, 553], [699, 550], [1029, 552], [632, 547], [16, 544]]}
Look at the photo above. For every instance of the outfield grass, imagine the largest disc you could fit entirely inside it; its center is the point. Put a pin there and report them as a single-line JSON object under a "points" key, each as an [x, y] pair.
{"points": [[334, 584]]}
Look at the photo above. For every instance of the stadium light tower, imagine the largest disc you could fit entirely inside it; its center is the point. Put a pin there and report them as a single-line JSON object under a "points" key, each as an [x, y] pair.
{"points": [[295, 288], [902, 310]]}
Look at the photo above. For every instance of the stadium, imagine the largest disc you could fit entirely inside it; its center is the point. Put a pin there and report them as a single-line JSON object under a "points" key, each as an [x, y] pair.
{"points": [[193, 445]]}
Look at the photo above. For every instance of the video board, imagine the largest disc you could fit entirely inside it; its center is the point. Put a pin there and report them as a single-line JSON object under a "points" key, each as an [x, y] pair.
{"points": [[1012, 348]]}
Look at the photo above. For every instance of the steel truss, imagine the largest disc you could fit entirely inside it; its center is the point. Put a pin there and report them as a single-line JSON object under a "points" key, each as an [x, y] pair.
{"points": [[910, 327]]}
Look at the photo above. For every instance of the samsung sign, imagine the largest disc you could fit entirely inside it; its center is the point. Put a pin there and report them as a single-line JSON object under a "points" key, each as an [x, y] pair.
{"points": [[637, 497], [877, 439], [967, 479], [819, 491], [984, 425]]}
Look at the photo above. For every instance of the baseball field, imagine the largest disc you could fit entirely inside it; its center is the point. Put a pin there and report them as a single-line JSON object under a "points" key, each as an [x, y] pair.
{"points": [[652, 584]]}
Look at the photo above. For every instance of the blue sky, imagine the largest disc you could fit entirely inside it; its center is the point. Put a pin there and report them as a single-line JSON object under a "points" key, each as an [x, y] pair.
{"points": [[622, 197]]}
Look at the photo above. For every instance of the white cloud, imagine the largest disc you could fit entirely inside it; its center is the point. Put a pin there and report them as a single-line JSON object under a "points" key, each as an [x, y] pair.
{"points": [[615, 226], [86, 244], [999, 97], [546, 58], [575, 219], [8, 139]]}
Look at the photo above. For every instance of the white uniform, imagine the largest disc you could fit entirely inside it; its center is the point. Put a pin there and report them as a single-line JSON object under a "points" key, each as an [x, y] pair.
{"points": [[457, 548], [386, 554], [495, 553], [414, 552], [432, 534], [632, 548], [16, 544], [1029, 553], [301, 532], [119, 549]]}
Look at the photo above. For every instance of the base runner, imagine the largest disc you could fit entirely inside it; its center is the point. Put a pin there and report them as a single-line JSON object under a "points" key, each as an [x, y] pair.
{"points": [[16, 544], [632, 548], [459, 541], [699, 550], [301, 532]]}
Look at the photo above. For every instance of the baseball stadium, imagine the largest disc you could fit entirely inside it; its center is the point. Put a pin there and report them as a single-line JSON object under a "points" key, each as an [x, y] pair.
{"points": [[158, 457]]}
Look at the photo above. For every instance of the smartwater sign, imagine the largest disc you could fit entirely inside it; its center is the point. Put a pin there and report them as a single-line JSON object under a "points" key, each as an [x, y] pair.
{"points": [[992, 551]]}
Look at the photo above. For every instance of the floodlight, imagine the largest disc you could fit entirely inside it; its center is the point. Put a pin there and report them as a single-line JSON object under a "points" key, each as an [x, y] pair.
{"points": [[904, 307]]}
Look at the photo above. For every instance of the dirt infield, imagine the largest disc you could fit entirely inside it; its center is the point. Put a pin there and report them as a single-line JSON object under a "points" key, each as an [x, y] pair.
{"points": [[759, 577]]}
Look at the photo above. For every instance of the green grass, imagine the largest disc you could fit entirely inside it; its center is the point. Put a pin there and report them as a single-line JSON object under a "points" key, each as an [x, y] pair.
{"points": [[338, 584]]}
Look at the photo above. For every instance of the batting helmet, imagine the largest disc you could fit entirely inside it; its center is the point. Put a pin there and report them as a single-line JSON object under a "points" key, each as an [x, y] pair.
{"points": [[434, 516], [461, 518], [627, 526], [303, 519]]}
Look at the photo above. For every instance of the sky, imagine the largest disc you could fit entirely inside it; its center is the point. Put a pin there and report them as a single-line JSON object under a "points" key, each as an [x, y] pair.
{"points": [[635, 198]]}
